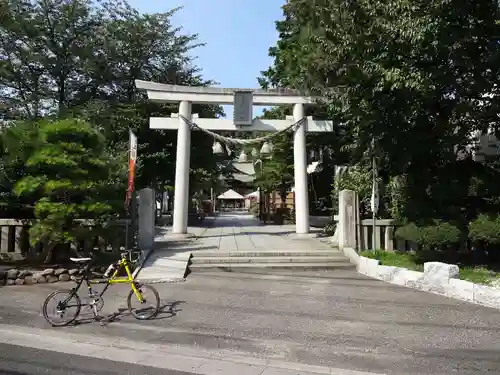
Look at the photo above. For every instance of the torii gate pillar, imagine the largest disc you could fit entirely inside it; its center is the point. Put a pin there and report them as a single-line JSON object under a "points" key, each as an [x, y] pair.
{"points": [[300, 172], [186, 95], [182, 166]]}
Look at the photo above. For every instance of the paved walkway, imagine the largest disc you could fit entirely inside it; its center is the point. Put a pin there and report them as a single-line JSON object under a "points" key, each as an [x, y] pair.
{"points": [[228, 232], [232, 232]]}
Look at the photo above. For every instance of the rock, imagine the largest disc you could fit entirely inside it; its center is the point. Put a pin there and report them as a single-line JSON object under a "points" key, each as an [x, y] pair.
{"points": [[64, 277], [52, 278], [19, 281], [73, 277], [10, 282], [73, 271], [29, 280], [60, 271], [12, 274], [438, 274], [23, 274], [48, 271], [40, 279]]}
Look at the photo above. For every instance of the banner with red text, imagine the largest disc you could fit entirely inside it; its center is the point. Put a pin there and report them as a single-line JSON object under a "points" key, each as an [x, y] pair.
{"points": [[132, 158]]}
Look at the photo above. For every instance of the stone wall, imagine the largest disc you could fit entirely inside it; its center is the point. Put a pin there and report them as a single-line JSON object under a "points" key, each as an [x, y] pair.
{"points": [[49, 275]]}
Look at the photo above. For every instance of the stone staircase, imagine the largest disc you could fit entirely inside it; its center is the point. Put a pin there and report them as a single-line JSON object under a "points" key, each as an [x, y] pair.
{"points": [[241, 260]]}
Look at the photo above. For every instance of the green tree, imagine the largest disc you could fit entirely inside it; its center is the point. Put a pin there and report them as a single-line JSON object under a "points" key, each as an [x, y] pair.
{"points": [[17, 143], [277, 171], [67, 177], [81, 59], [408, 76]]}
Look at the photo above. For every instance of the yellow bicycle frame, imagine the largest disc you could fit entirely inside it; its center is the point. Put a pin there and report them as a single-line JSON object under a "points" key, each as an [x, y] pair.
{"points": [[114, 279]]}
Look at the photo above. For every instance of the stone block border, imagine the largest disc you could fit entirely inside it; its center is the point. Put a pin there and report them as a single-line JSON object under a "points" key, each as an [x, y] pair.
{"points": [[438, 278], [49, 275]]}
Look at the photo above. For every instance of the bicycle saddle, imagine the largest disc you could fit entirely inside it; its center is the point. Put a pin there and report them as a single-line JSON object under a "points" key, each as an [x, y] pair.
{"points": [[80, 260]]}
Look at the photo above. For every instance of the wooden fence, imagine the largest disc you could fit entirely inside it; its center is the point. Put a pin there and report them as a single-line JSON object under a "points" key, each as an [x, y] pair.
{"points": [[15, 242]]}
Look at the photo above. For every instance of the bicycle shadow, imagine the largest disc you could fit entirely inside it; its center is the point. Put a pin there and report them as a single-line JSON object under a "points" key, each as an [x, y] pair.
{"points": [[166, 311]]}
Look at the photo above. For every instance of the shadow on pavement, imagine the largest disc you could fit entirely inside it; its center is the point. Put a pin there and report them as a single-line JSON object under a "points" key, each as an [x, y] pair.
{"points": [[166, 311]]}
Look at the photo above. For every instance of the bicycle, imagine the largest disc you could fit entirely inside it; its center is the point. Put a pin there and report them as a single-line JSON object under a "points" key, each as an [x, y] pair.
{"points": [[96, 303]]}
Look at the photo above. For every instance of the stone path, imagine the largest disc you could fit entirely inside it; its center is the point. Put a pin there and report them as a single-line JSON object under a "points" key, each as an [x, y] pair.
{"points": [[226, 233], [232, 232]]}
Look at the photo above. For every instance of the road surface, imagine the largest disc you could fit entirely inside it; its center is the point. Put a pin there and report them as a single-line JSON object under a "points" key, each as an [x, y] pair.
{"points": [[333, 319], [21, 360]]}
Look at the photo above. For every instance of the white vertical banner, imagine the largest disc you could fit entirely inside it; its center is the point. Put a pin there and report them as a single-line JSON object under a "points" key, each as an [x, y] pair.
{"points": [[132, 158], [374, 201]]}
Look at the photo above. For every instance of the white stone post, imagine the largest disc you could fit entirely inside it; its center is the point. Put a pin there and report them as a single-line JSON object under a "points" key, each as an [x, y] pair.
{"points": [[347, 219], [181, 192], [147, 207], [300, 169]]}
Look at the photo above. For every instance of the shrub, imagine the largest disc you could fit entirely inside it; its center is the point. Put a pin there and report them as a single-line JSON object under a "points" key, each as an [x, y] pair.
{"points": [[485, 229], [439, 236], [254, 208], [409, 232], [329, 229], [484, 233], [438, 241]]}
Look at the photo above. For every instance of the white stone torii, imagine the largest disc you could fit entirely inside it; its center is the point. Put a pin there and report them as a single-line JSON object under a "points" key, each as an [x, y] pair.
{"points": [[186, 95]]}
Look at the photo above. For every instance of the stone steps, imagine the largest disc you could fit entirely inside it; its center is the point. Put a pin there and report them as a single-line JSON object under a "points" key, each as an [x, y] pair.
{"points": [[266, 253], [269, 259], [243, 266]]}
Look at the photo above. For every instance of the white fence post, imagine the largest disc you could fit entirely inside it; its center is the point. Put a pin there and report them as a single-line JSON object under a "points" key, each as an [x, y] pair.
{"points": [[347, 219], [147, 207]]}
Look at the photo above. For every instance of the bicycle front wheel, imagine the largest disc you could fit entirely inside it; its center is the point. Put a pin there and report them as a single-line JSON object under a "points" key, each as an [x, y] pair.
{"points": [[65, 309], [150, 305]]}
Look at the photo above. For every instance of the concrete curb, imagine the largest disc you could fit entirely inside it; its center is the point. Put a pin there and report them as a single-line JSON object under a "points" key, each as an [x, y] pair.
{"points": [[429, 281]]}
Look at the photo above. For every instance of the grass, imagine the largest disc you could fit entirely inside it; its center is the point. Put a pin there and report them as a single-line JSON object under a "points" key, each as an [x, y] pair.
{"points": [[395, 259], [478, 275]]}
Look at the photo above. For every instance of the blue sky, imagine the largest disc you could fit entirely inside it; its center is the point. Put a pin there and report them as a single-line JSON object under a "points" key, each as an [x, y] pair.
{"points": [[237, 33]]}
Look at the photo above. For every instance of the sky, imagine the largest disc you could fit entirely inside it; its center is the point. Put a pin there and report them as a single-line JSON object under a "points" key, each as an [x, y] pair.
{"points": [[237, 33]]}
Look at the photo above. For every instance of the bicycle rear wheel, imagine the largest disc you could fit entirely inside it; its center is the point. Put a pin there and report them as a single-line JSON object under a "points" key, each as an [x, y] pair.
{"points": [[150, 305], [67, 307]]}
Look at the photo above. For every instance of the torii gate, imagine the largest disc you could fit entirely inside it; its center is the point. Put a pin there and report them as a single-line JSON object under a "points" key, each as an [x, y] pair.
{"points": [[243, 101]]}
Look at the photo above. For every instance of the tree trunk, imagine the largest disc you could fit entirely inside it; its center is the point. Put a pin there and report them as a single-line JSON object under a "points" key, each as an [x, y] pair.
{"points": [[48, 252]]}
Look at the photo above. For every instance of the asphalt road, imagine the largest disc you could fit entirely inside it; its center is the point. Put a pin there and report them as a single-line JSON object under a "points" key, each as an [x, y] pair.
{"points": [[19, 360], [334, 319]]}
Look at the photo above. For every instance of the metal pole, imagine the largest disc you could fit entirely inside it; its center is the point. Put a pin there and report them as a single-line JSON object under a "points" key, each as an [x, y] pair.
{"points": [[212, 201], [374, 178], [126, 232]]}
